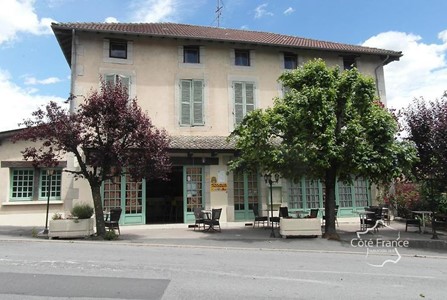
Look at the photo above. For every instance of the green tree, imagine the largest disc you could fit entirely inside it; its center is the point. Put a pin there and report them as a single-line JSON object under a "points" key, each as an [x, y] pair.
{"points": [[108, 135], [328, 126]]}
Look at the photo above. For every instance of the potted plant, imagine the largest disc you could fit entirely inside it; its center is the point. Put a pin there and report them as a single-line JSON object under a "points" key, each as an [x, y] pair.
{"points": [[78, 224]]}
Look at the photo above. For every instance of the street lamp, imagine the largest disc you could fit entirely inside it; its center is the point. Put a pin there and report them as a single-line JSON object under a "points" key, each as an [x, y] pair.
{"points": [[269, 180], [49, 175]]}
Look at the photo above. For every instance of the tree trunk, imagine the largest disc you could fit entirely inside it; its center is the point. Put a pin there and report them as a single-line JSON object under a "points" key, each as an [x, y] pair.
{"points": [[330, 231], [97, 203]]}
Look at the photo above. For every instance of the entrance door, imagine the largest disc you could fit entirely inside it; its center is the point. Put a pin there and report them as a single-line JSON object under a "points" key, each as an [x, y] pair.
{"points": [[126, 193], [193, 191], [245, 195]]}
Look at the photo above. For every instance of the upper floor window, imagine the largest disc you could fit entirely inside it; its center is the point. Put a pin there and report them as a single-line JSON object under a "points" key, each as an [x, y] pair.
{"points": [[28, 184], [115, 78], [290, 61], [191, 102], [242, 57], [244, 99], [349, 62], [191, 54], [118, 49]]}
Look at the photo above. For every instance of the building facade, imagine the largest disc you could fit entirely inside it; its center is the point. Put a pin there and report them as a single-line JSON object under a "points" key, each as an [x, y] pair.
{"points": [[197, 83]]}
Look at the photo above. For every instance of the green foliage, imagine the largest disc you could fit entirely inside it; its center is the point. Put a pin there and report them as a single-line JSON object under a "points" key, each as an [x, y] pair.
{"points": [[82, 211], [329, 125], [57, 216], [34, 232], [110, 235]]}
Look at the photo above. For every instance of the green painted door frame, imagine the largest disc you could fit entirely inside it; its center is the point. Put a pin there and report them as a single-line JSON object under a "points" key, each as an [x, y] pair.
{"points": [[193, 191]]}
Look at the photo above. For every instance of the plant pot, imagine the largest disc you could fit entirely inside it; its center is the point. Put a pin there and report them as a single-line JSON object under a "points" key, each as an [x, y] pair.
{"points": [[71, 228]]}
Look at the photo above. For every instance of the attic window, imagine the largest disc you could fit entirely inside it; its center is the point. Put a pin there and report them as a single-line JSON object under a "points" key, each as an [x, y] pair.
{"points": [[349, 62], [118, 49]]}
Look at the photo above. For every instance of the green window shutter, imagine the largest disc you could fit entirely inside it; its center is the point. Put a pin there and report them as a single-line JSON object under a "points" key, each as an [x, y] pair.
{"points": [[249, 97], [238, 102], [185, 102], [198, 102]]}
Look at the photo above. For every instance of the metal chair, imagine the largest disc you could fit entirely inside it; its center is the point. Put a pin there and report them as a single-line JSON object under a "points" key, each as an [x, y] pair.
{"points": [[214, 221], [313, 213], [113, 222], [258, 218], [200, 218]]}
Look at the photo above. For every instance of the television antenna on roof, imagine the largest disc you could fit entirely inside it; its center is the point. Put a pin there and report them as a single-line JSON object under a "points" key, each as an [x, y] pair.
{"points": [[218, 11]]}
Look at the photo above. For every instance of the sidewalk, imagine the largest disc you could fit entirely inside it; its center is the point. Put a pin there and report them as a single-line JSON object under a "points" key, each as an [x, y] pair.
{"points": [[238, 235]]}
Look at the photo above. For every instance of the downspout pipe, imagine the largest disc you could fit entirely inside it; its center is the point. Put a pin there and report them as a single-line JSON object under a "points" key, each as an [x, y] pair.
{"points": [[73, 69], [376, 75]]}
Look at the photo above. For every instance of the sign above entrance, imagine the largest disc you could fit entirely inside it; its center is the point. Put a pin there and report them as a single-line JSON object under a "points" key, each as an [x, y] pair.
{"points": [[218, 187]]}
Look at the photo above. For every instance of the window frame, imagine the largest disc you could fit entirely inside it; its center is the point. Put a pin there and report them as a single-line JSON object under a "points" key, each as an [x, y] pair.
{"points": [[113, 52], [244, 99], [349, 62], [193, 103], [30, 194], [37, 192], [287, 56], [122, 78], [191, 50], [240, 55]]}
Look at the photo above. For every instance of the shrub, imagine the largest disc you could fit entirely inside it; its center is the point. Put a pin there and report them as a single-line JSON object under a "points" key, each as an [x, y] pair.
{"points": [[110, 235], [82, 211], [57, 216]]}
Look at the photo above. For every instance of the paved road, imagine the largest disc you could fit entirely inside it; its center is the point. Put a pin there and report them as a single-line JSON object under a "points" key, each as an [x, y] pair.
{"points": [[103, 270]]}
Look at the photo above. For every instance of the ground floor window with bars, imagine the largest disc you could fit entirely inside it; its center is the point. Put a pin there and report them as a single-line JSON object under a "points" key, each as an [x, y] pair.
{"points": [[35, 184]]}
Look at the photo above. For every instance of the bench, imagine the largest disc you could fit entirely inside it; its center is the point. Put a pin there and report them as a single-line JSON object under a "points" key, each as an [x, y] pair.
{"points": [[299, 227]]}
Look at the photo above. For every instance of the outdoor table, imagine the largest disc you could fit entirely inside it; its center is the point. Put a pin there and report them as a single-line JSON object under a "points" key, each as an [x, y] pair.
{"points": [[423, 213]]}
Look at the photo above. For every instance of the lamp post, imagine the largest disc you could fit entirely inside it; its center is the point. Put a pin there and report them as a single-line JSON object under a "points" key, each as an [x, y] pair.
{"points": [[49, 175], [269, 180]]}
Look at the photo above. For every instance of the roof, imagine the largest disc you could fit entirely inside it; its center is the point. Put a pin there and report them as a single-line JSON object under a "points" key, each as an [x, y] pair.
{"points": [[201, 143], [63, 32]]}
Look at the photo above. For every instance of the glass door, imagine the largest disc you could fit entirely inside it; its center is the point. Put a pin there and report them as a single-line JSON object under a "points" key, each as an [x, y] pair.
{"points": [[193, 191], [245, 195]]}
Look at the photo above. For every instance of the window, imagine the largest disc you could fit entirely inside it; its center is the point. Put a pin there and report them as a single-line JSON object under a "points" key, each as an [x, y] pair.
{"points": [[191, 102], [242, 57], [29, 184], [290, 61], [53, 187], [22, 184], [295, 195], [118, 49], [244, 99], [115, 78], [191, 54], [349, 62]]}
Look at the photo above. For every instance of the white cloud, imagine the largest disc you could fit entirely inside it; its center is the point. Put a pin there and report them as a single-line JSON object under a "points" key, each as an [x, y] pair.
{"points": [[111, 20], [421, 71], [18, 104], [34, 81], [154, 11], [19, 16], [261, 11], [289, 11]]}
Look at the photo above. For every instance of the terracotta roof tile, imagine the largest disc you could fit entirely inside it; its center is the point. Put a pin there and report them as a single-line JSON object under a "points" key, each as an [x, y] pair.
{"points": [[219, 34], [200, 143]]}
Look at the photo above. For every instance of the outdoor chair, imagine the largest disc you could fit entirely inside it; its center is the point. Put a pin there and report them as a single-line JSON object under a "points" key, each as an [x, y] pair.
{"points": [[214, 221], [200, 218], [313, 213], [284, 212], [336, 214], [368, 220], [258, 218], [412, 221], [112, 223], [275, 220]]}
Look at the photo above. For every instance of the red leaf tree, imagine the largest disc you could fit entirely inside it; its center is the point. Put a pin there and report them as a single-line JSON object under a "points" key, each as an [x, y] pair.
{"points": [[108, 135]]}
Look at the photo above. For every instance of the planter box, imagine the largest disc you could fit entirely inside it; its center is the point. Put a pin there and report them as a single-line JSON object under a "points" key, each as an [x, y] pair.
{"points": [[300, 227], [71, 228]]}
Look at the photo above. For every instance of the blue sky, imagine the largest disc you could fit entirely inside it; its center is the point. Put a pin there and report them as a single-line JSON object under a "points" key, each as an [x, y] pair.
{"points": [[33, 70]]}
